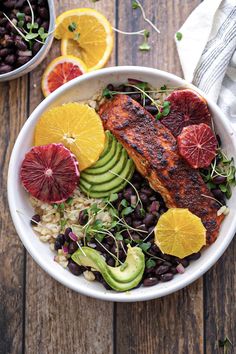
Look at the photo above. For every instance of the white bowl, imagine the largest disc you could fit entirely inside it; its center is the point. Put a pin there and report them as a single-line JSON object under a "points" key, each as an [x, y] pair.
{"points": [[83, 88]]}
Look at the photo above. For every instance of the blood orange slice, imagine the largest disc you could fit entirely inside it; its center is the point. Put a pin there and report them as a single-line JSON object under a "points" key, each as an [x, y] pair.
{"points": [[60, 71], [50, 173], [187, 107], [197, 145]]}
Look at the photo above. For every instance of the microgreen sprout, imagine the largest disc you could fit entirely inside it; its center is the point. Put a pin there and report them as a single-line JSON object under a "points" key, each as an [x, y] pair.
{"points": [[179, 36], [31, 31], [131, 184], [225, 344], [144, 33]]}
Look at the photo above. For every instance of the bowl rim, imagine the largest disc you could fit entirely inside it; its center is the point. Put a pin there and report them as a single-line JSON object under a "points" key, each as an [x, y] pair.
{"points": [[106, 295], [20, 71]]}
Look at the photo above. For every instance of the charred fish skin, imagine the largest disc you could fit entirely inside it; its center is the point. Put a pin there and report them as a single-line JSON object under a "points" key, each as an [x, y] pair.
{"points": [[154, 151]]}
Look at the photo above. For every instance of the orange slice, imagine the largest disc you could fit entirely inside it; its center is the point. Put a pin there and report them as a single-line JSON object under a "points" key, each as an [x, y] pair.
{"points": [[60, 71], [86, 34], [77, 126], [179, 233]]}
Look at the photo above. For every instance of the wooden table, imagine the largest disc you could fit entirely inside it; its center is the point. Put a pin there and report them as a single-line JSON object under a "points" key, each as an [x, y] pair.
{"points": [[37, 314]]}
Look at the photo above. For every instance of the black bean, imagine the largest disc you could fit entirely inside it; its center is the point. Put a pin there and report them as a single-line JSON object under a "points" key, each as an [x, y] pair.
{"points": [[35, 219], [75, 268], [169, 264], [98, 276], [22, 60], [28, 19], [83, 217], [167, 257], [147, 101], [20, 44], [19, 4], [150, 281], [173, 270], [43, 13], [127, 193], [219, 180], [110, 240], [135, 237], [113, 249], [3, 21], [72, 248], [129, 89], [42, 2], [61, 238], [4, 52], [110, 87], [10, 4], [111, 262], [39, 21], [8, 41], [100, 248], [162, 269], [10, 59], [151, 109], [136, 96], [120, 88], [136, 223], [194, 256], [137, 177], [219, 195], [67, 231], [2, 31], [45, 25], [148, 191], [128, 220], [184, 262], [27, 10], [144, 198], [57, 245], [167, 277], [149, 220], [104, 283], [138, 213], [155, 248]]}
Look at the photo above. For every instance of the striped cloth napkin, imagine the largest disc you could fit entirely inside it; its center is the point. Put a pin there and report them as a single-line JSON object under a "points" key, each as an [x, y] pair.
{"points": [[207, 52]]}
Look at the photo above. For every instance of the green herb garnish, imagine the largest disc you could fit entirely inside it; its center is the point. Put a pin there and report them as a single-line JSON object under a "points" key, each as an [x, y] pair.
{"points": [[226, 344], [178, 36], [72, 26], [150, 263], [145, 46]]}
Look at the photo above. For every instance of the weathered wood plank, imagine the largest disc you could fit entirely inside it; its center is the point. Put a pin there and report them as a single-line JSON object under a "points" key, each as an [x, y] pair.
{"points": [[59, 320], [13, 112], [220, 299], [173, 324]]}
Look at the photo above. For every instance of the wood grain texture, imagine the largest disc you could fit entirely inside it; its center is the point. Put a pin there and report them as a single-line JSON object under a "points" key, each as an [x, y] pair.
{"points": [[40, 316], [59, 320], [173, 324], [219, 302], [13, 112]]}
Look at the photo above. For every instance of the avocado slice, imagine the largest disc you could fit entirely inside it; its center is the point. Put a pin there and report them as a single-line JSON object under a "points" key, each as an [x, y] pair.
{"points": [[107, 186], [107, 156], [118, 164], [94, 194], [91, 172], [108, 142], [122, 278]]}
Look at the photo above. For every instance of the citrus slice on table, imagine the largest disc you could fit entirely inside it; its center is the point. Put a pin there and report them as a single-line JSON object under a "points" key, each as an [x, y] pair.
{"points": [[60, 71], [86, 34], [179, 233], [77, 126]]}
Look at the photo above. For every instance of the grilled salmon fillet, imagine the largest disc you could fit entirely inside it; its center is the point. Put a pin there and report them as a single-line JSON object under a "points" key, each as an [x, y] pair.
{"points": [[154, 151]]}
